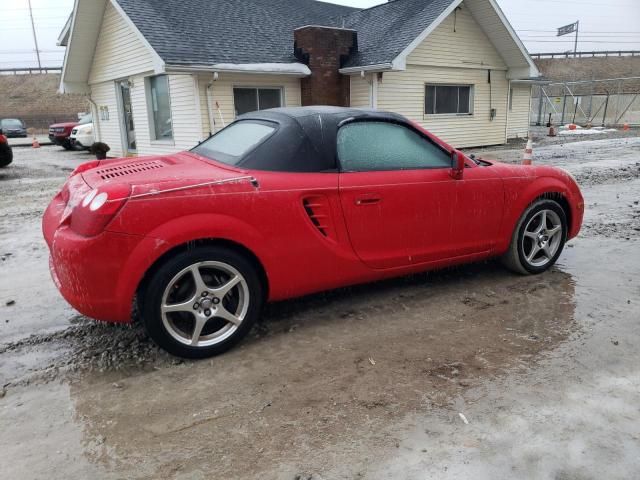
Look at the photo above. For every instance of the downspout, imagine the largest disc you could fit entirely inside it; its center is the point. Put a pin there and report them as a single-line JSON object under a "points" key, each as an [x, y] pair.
{"points": [[509, 99], [96, 119], [212, 118], [374, 79]]}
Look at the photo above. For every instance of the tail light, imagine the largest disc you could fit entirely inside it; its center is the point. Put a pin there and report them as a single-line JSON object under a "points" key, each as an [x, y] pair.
{"points": [[98, 207], [3, 139]]}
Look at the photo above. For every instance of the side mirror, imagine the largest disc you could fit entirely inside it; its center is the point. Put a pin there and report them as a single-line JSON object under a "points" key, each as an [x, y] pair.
{"points": [[457, 164]]}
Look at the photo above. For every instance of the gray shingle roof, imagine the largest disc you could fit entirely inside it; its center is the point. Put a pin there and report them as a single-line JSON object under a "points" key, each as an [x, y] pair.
{"points": [[386, 30], [206, 32]]}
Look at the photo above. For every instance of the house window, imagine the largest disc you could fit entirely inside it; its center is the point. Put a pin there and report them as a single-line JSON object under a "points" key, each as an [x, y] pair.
{"points": [[456, 99], [252, 99], [160, 108]]}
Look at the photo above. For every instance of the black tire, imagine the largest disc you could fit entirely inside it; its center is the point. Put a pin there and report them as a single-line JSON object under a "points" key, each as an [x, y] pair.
{"points": [[515, 258], [6, 154], [67, 146], [166, 328]]}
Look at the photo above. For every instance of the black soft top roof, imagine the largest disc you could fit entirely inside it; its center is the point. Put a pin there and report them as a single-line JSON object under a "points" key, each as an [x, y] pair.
{"points": [[305, 140]]}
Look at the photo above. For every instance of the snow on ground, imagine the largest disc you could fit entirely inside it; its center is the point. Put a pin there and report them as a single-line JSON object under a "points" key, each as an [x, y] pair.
{"points": [[586, 131]]}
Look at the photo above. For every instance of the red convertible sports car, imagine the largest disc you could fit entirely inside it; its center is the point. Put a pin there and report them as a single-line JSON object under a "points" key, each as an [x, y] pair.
{"points": [[286, 202]]}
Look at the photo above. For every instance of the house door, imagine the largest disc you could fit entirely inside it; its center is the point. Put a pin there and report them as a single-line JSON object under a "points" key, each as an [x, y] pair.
{"points": [[128, 127]]}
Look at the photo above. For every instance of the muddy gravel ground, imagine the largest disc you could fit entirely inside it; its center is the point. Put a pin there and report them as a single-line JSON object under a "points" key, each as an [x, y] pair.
{"points": [[471, 372]]}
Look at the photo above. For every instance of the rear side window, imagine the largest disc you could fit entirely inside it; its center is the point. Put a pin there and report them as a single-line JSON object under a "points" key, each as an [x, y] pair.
{"points": [[231, 144], [372, 146]]}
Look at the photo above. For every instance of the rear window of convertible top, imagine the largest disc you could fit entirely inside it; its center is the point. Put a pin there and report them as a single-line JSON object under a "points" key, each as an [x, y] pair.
{"points": [[232, 143]]}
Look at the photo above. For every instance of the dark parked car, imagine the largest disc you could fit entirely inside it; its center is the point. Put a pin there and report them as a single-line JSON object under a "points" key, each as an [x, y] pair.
{"points": [[12, 127], [6, 154]]}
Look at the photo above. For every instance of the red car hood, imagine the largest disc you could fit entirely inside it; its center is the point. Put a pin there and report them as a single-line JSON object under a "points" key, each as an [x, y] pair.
{"points": [[64, 125], [160, 173]]}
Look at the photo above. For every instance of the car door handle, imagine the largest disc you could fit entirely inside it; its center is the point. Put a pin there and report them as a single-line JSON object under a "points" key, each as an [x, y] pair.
{"points": [[367, 200]]}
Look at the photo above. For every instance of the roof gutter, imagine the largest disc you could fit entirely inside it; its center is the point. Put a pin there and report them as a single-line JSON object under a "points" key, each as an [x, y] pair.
{"points": [[381, 67], [531, 81], [285, 69]]}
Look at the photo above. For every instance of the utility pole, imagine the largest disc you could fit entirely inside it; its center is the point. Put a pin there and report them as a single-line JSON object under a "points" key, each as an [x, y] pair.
{"points": [[575, 47], [35, 38]]}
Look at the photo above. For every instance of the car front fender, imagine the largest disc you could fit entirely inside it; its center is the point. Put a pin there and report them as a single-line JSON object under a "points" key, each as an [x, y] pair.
{"points": [[519, 195]]}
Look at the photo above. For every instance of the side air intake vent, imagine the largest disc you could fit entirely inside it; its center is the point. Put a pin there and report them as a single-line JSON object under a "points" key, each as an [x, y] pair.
{"points": [[128, 169], [319, 212]]}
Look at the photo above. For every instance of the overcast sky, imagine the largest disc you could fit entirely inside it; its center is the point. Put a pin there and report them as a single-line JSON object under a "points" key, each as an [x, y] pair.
{"points": [[604, 25]]}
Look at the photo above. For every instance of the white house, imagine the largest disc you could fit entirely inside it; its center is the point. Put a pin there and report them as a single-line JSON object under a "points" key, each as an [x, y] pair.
{"points": [[163, 75]]}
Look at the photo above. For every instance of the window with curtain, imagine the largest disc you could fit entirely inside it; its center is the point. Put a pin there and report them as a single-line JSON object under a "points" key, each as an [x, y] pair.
{"points": [[252, 99], [456, 99]]}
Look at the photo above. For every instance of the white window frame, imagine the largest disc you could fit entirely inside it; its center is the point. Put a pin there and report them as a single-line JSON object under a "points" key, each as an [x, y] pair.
{"points": [[153, 137], [257, 88], [452, 114]]}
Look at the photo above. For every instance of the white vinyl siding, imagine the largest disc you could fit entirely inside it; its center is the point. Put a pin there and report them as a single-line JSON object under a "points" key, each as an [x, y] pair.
{"points": [[518, 123], [119, 52], [184, 116], [360, 93], [404, 92], [457, 42], [222, 93], [448, 57], [108, 131]]}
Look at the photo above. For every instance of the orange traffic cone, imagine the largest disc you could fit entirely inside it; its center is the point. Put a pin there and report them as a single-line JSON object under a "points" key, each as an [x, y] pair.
{"points": [[625, 127], [527, 156], [35, 143]]}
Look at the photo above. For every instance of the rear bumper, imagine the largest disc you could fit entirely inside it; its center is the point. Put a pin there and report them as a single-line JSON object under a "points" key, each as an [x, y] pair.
{"points": [[90, 271]]}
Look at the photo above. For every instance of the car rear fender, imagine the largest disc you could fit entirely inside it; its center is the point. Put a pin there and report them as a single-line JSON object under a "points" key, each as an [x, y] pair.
{"points": [[518, 199], [180, 232]]}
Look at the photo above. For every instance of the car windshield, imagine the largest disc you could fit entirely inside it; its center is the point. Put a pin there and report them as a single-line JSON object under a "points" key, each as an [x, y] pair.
{"points": [[232, 143], [11, 123], [84, 120]]}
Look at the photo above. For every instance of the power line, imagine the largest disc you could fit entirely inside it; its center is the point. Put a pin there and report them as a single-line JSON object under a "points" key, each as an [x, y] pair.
{"points": [[582, 41], [35, 38], [606, 35], [586, 31]]}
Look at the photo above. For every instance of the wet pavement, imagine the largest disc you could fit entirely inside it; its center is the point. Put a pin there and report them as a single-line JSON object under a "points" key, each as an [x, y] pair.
{"points": [[471, 372]]}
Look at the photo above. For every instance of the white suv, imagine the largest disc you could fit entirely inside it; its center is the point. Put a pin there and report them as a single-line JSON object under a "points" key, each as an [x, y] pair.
{"points": [[82, 134]]}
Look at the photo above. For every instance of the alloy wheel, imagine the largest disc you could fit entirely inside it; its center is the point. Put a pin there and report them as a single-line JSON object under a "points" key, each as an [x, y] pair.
{"points": [[542, 238], [205, 303]]}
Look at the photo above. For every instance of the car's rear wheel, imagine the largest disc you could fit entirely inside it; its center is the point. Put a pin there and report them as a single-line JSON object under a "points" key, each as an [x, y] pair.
{"points": [[201, 302], [538, 239]]}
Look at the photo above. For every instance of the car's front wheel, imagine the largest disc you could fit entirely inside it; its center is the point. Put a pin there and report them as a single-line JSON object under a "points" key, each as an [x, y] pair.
{"points": [[538, 239], [201, 302]]}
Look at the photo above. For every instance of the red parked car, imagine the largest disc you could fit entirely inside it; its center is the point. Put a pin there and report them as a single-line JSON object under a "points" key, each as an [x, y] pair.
{"points": [[6, 153], [60, 133], [283, 203]]}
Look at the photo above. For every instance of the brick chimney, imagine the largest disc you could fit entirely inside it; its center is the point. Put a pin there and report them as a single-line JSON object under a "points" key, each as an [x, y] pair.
{"points": [[324, 50]]}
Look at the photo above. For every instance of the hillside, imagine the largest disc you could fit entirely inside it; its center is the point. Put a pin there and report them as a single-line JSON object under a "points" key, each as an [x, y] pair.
{"points": [[35, 99]]}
